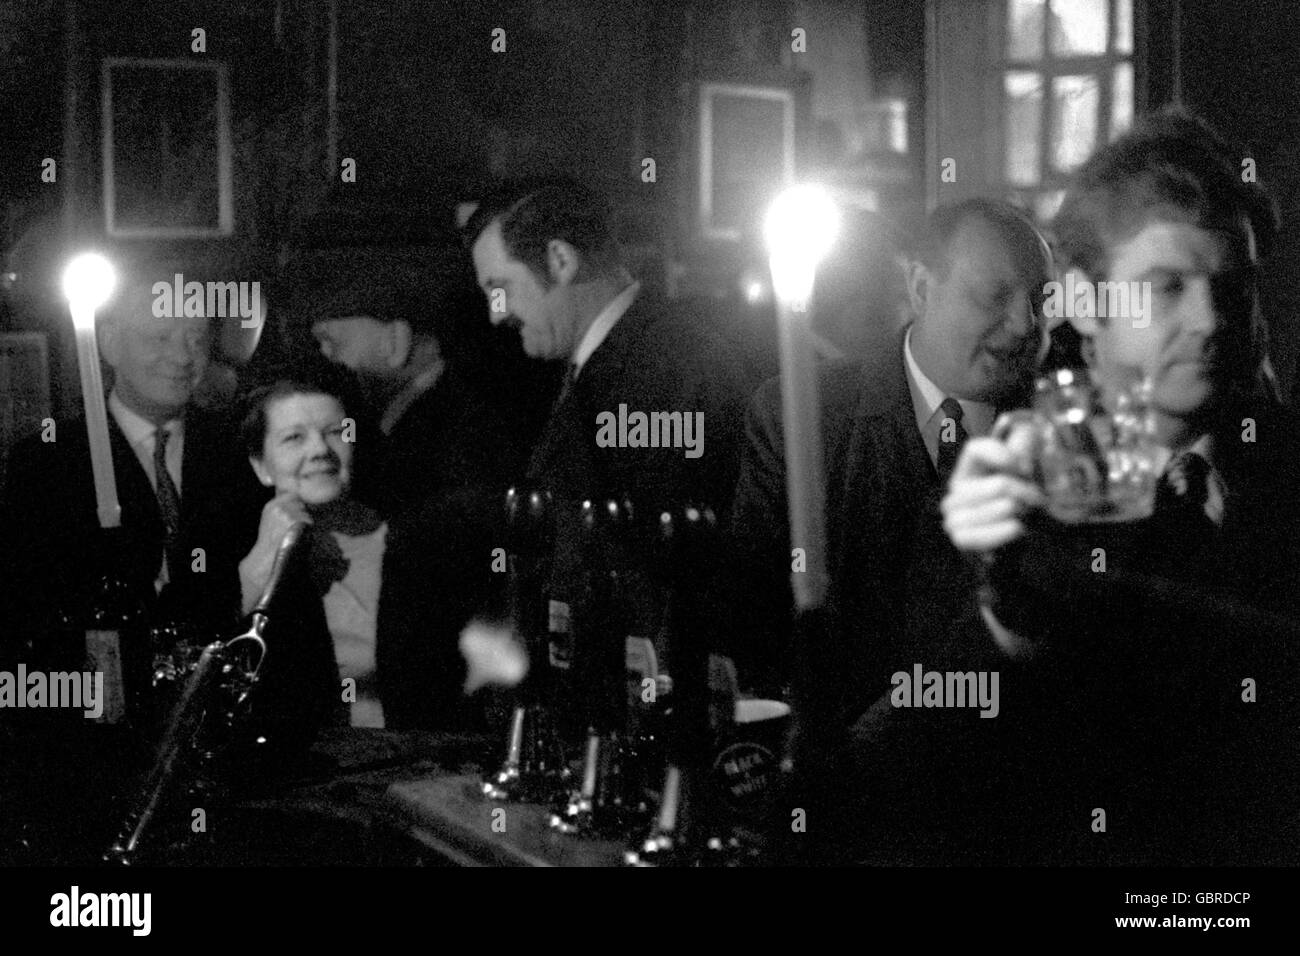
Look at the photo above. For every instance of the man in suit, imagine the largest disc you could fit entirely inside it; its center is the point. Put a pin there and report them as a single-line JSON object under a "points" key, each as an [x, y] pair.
{"points": [[546, 257], [180, 479], [188, 513], [385, 314], [899, 592], [1163, 691]]}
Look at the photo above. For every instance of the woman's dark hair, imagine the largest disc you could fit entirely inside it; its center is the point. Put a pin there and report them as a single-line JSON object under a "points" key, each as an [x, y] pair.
{"points": [[318, 380]]}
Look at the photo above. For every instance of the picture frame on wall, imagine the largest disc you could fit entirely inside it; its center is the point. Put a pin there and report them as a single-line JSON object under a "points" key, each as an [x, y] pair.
{"points": [[746, 140], [166, 143]]}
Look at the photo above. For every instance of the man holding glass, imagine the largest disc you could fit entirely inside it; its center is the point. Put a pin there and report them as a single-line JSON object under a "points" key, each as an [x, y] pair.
{"points": [[1150, 704]]}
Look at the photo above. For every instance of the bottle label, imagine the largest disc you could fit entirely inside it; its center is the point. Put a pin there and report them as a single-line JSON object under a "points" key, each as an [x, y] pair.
{"points": [[561, 636], [641, 659], [104, 654]]}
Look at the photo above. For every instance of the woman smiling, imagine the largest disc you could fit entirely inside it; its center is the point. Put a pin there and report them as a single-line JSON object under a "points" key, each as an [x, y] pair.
{"points": [[300, 442]]}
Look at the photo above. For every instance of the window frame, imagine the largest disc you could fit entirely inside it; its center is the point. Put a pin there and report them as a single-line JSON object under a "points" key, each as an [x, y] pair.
{"points": [[1049, 67]]}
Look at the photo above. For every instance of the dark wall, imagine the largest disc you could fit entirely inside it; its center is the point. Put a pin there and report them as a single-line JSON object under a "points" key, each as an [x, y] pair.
{"points": [[1240, 68]]}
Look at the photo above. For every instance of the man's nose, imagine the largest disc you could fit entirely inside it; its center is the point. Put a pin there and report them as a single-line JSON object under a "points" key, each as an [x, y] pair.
{"points": [[181, 351], [316, 446]]}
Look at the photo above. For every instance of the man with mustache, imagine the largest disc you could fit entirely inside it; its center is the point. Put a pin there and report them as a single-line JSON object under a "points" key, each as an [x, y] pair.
{"points": [[1161, 691], [899, 591], [548, 260]]}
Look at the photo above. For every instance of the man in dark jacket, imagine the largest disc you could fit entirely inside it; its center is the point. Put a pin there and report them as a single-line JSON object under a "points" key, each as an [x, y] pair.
{"points": [[188, 502], [900, 593], [386, 314], [1153, 714], [652, 402]]}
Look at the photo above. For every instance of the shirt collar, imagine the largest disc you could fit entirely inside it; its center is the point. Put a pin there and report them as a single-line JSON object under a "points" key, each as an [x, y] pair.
{"points": [[977, 417], [599, 330], [135, 427]]}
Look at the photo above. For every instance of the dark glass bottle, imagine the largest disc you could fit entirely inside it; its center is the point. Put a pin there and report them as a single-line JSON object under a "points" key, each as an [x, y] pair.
{"points": [[116, 620]]}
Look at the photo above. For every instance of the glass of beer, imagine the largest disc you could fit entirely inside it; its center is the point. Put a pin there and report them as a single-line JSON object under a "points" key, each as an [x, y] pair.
{"points": [[1093, 451]]}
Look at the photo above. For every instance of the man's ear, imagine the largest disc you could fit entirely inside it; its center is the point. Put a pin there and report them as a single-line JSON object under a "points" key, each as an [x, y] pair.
{"points": [[562, 261], [397, 343], [919, 285], [259, 469]]}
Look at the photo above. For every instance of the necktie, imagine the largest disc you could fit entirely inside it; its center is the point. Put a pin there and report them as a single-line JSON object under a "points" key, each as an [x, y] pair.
{"points": [[951, 437], [1184, 488], [169, 499], [570, 379]]}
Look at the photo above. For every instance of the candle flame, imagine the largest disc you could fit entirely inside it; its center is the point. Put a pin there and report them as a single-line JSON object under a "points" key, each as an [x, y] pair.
{"points": [[88, 282], [800, 228]]}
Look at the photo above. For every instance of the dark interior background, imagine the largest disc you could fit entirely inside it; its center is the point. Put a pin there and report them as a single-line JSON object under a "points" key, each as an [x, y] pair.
{"points": [[430, 114]]}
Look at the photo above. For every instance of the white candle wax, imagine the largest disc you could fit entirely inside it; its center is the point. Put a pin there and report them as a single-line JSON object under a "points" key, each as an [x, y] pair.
{"points": [[801, 428], [92, 392]]}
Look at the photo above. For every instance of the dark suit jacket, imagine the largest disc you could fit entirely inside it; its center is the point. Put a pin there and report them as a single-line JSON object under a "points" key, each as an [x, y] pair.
{"points": [[437, 572], [1133, 703], [1136, 697], [449, 438], [51, 527], [652, 360], [900, 594], [899, 591]]}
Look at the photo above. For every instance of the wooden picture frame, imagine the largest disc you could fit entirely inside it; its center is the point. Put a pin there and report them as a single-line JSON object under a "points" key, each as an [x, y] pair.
{"points": [[166, 144], [746, 140]]}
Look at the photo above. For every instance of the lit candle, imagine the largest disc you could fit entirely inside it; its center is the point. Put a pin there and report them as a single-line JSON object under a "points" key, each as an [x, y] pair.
{"points": [[87, 284], [800, 227]]}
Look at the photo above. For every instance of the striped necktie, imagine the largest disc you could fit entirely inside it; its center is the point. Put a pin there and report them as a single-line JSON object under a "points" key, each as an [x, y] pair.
{"points": [[570, 379], [169, 500], [1184, 488], [951, 438]]}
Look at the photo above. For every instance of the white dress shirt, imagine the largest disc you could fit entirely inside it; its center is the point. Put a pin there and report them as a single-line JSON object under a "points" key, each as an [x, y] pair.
{"points": [[599, 330], [351, 613], [141, 434], [977, 417]]}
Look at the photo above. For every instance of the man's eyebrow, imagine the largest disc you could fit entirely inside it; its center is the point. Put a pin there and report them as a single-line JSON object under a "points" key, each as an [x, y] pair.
{"points": [[1155, 272]]}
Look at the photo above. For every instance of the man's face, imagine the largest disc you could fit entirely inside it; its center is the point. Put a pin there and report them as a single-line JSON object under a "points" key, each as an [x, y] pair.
{"points": [[157, 362], [1201, 293], [543, 316], [358, 342], [303, 451], [982, 322]]}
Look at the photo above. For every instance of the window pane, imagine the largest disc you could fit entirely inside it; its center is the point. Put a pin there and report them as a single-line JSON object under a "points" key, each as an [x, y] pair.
{"points": [[1078, 27], [1025, 29], [1124, 26], [1121, 108], [1023, 118], [1074, 119]]}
